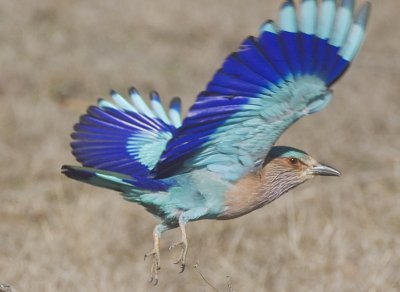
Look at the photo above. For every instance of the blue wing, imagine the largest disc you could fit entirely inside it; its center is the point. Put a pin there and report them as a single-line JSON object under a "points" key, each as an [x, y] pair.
{"points": [[265, 87], [125, 137]]}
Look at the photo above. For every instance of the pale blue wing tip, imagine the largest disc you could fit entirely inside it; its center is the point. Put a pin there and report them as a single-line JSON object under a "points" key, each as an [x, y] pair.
{"points": [[287, 3], [356, 34], [287, 17], [344, 19], [103, 104], [139, 103], [133, 91], [326, 18], [363, 14], [268, 26], [158, 108], [121, 102], [175, 112], [349, 4], [155, 96], [115, 95], [308, 17], [176, 104]]}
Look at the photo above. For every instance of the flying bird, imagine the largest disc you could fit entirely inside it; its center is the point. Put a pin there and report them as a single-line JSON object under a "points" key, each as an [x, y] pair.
{"points": [[221, 162]]}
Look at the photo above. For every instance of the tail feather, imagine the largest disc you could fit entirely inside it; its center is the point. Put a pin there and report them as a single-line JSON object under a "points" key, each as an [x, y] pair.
{"points": [[131, 187]]}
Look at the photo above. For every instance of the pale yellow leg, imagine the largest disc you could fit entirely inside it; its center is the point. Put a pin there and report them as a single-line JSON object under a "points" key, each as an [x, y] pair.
{"points": [[155, 253], [183, 244]]}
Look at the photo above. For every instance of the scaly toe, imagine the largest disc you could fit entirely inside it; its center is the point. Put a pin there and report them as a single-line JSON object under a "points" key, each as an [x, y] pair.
{"points": [[175, 245], [154, 274], [181, 260], [154, 279], [155, 266]]}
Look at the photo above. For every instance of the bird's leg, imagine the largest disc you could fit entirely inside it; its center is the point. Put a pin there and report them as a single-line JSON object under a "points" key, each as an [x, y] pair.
{"points": [[183, 244], [184, 218], [155, 253]]}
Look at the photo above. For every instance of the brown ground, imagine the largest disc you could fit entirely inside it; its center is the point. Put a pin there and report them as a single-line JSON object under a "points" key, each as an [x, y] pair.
{"points": [[57, 57]]}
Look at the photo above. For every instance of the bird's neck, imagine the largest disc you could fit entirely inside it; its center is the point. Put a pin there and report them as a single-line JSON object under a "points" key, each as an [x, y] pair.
{"points": [[253, 192], [274, 183]]}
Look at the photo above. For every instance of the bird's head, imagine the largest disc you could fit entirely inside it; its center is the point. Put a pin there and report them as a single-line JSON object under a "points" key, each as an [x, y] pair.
{"points": [[287, 167]]}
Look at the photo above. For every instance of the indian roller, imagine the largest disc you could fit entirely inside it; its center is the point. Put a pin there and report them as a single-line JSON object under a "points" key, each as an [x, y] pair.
{"points": [[221, 161]]}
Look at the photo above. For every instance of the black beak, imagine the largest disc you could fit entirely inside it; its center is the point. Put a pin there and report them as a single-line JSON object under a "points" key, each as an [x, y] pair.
{"points": [[324, 170]]}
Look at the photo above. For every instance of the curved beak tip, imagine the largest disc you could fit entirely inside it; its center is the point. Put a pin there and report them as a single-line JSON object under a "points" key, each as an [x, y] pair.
{"points": [[324, 170]]}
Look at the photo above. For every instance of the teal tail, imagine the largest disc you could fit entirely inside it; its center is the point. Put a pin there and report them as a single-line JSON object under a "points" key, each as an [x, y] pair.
{"points": [[130, 186]]}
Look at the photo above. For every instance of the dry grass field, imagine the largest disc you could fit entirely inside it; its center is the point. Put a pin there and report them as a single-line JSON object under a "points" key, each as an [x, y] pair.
{"points": [[57, 57]]}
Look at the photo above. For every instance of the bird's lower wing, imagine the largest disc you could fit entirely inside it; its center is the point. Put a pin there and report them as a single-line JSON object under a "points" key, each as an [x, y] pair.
{"points": [[265, 87], [125, 137]]}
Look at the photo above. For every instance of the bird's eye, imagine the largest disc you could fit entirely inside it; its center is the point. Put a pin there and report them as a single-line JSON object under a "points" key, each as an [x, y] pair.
{"points": [[293, 160]]}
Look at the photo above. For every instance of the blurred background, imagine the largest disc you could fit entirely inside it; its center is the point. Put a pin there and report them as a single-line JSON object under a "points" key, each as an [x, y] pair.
{"points": [[58, 57]]}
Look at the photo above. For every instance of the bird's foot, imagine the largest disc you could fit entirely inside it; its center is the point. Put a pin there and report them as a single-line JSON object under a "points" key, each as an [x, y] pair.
{"points": [[184, 245], [155, 266]]}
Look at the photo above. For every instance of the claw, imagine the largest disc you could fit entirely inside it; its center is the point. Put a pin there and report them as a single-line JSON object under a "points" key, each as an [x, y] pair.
{"points": [[175, 245], [155, 266], [183, 244], [183, 265]]}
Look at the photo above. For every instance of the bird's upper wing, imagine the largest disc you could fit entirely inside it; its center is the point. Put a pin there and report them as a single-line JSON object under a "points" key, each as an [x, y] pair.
{"points": [[125, 137], [262, 89]]}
